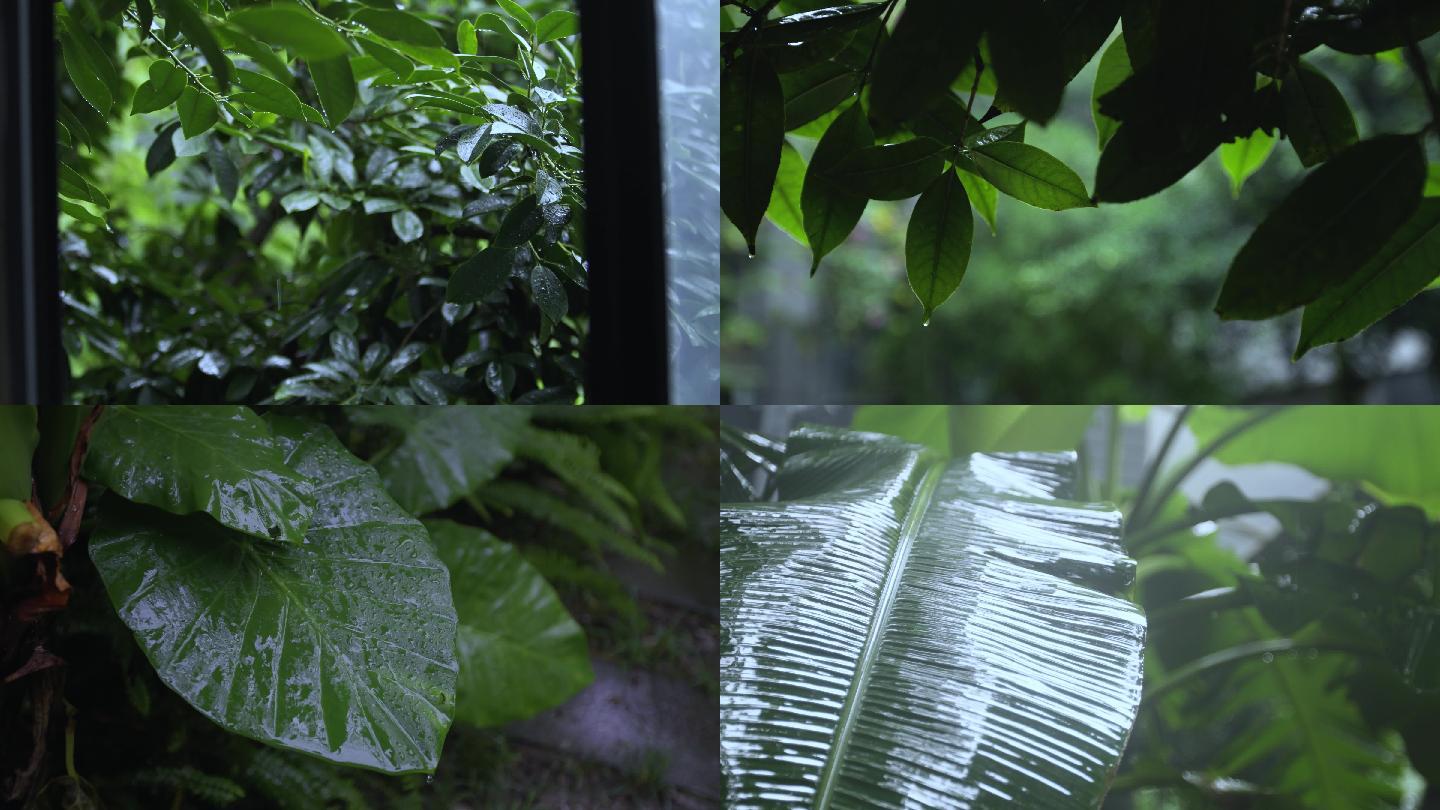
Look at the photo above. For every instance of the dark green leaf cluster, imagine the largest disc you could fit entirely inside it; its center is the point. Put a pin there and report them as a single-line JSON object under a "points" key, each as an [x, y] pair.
{"points": [[339, 202], [930, 98], [287, 591]]}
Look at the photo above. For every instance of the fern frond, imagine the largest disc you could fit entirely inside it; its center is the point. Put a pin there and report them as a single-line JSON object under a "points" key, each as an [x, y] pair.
{"points": [[534, 502], [216, 791], [575, 460], [295, 783]]}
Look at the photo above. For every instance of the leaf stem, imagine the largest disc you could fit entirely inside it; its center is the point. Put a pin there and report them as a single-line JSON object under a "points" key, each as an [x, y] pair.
{"points": [[1112, 453], [750, 29], [1240, 653], [1153, 470], [875, 46]]}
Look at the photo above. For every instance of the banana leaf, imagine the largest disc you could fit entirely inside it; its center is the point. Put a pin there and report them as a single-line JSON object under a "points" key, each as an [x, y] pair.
{"points": [[903, 630]]}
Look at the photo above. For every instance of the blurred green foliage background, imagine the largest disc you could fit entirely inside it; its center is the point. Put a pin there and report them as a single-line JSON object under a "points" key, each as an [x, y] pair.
{"points": [[1109, 304]]}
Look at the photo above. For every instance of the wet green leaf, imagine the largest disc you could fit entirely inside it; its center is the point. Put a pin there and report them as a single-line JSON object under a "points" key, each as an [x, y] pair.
{"points": [[809, 24], [480, 276], [1245, 156], [193, 25], [265, 93], [87, 75], [1025, 55], [983, 196], [1317, 119], [829, 211], [292, 28], [520, 652], [342, 647], [518, 13], [1404, 267], [891, 609], [937, 242], [1114, 68], [557, 25], [548, 293], [407, 225], [335, 84], [814, 91], [217, 459], [1388, 449], [891, 171], [784, 208], [162, 90], [409, 34], [1326, 229], [442, 455], [198, 111], [932, 43], [1031, 175], [752, 131], [465, 37]]}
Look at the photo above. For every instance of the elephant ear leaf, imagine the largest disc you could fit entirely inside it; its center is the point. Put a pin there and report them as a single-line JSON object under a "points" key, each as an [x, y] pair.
{"points": [[442, 453], [342, 646], [902, 629], [219, 459]]}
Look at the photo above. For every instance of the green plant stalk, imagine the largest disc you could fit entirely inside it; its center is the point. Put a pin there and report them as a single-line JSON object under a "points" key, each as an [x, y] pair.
{"points": [[1112, 454], [1137, 541], [13, 515], [1243, 652], [1141, 519], [1153, 470]]}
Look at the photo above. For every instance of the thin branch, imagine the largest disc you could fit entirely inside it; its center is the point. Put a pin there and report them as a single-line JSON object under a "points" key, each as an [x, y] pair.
{"points": [[750, 29]]}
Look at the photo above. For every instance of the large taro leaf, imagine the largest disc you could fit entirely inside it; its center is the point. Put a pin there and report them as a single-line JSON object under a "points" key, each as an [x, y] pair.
{"points": [[905, 631], [443, 453], [342, 646], [197, 458], [520, 652], [1390, 450]]}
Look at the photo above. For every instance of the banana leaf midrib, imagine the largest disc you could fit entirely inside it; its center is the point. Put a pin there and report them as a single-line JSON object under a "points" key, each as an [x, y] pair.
{"points": [[903, 628], [914, 516]]}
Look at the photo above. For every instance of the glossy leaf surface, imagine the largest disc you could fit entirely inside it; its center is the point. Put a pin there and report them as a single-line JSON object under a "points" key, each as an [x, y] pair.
{"points": [[1113, 69], [442, 454], [221, 460], [342, 647], [831, 212], [1389, 449], [895, 171], [519, 651], [937, 242], [1317, 119], [752, 130], [1328, 227], [192, 24], [916, 66], [902, 631], [1031, 175], [1245, 156], [1025, 54], [1403, 268], [292, 28]]}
